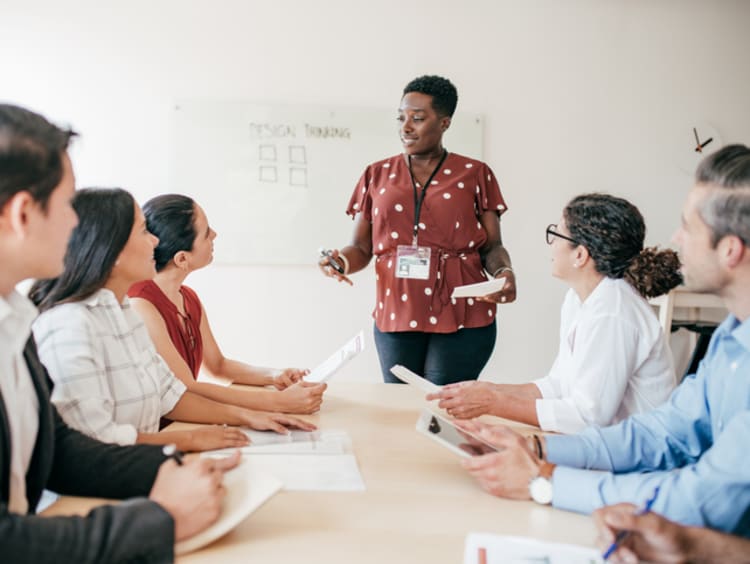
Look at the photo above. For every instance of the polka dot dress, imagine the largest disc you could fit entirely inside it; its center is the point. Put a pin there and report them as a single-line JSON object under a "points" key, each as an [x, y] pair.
{"points": [[449, 224]]}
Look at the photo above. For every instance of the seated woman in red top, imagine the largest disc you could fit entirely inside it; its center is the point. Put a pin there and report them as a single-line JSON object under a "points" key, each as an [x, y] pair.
{"points": [[178, 325]]}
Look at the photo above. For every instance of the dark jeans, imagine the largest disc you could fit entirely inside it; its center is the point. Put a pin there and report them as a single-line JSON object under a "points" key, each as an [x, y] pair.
{"points": [[442, 358]]}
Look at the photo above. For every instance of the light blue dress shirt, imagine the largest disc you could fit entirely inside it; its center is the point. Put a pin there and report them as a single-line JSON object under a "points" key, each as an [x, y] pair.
{"points": [[695, 447]]}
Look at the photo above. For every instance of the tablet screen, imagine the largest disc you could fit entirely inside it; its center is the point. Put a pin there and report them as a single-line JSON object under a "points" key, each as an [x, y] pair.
{"points": [[445, 432]]}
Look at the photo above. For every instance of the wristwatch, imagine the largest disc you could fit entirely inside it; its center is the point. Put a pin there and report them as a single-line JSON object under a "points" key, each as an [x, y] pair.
{"points": [[540, 487]]}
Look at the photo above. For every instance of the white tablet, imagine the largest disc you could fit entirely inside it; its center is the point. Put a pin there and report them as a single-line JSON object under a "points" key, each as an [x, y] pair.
{"points": [[324, 371], [479, 289], [406, 375], [445, 432]]}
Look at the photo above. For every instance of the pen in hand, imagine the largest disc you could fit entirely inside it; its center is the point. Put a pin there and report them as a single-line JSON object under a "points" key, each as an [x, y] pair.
{"points": [[622, 535], [170, 451], [333, 263]]}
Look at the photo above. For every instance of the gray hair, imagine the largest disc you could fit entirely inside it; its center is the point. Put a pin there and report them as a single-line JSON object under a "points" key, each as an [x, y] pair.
{"points": [[727, 210]]}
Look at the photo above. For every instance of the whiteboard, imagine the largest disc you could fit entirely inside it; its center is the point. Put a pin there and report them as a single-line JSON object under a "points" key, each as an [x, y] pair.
{"points": [[275, 180]]}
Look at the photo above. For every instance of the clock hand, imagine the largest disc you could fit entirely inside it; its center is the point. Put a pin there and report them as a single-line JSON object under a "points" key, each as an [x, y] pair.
{"points": [[697, 141], [706, 142]]}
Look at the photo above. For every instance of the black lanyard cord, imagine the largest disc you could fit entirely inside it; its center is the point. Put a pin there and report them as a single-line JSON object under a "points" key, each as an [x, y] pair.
{"points": [[418, 200]]}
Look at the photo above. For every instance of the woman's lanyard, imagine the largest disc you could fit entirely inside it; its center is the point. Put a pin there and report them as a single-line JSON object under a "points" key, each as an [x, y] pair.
{"points": [[418, 200]]}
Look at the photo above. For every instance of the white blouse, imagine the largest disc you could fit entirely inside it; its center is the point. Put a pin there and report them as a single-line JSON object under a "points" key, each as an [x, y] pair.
{"points": [[613, 361], [110, 382]]}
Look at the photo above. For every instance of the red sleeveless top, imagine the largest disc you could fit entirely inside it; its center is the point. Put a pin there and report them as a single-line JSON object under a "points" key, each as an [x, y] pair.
{"points": [[183, 330]]}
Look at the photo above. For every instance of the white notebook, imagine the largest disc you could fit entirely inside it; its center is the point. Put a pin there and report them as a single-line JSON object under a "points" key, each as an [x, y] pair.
{"points": [[479, 289], [486, 548], [247, 489], [406, 375], [324, 371]]}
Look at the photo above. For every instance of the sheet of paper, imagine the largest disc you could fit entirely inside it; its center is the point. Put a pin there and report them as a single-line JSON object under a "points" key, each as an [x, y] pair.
{"points": [[247, 489], [311, 472], [296, 442], [406, 375], [333, 363], [500, 549], [479, 289]]}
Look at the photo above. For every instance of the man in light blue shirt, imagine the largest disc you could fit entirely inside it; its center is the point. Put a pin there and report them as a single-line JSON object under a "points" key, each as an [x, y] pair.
{"points": [[696, 447]]}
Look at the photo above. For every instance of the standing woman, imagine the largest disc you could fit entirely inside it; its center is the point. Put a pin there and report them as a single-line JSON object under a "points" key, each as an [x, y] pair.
{"points": [[431, 218], [110, 383]]}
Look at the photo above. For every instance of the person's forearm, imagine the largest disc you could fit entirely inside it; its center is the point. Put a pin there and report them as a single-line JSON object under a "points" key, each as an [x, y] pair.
{"points": [[528, 391], [182, 439], [516, 407], [495, 257], [356, 257], [242, 373], [264, 400], [194, 408], [705, 546]]}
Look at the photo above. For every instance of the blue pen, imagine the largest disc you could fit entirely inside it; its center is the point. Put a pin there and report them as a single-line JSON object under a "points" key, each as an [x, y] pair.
{"points": [[622, 535]]}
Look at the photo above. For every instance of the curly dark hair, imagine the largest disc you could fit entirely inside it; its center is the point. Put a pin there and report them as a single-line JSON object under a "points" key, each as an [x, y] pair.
{"points": [[444, 94], [612, 230]]}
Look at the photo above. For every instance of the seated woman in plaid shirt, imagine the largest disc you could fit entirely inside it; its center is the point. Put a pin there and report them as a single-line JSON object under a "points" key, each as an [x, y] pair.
{"points": [[110, 382]]}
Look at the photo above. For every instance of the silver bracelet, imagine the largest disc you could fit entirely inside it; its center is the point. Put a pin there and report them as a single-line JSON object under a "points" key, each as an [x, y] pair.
{"points": [[502, 269], [345, 261]]}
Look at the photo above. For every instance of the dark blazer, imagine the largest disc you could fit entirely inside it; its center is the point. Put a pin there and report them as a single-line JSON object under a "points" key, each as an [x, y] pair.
{"points": [[71, 463]]}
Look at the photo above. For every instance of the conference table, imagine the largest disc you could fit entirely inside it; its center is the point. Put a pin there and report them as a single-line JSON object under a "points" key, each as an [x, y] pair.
{"points": [[418, 506]]}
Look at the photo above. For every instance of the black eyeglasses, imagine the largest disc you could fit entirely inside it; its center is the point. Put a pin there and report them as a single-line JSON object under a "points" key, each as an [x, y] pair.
{"points": [[552, 233]]}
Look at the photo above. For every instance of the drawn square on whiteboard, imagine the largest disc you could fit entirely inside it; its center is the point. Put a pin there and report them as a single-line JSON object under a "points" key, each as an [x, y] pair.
{"points": [[297, 154], [267, 152], [268, 174], [297, 176]]}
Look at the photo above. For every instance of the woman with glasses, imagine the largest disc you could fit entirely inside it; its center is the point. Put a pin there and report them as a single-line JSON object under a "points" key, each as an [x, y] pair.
{"points": [[178, 324], [613, 359], [110, 383], [431, 220]]}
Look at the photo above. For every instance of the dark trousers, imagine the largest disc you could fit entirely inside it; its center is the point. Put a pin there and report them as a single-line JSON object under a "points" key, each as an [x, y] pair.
{"points": [[442, 358]]}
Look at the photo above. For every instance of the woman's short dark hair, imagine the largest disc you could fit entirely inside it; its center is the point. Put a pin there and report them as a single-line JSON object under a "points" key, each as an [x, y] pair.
{"points": [[105, 221], [444, 94], [612, 230], [31, 154], [171, 218]]}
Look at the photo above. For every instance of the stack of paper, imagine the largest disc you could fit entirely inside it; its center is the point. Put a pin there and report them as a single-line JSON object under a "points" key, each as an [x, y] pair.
{"points": [[304, 461], [333, 363], [247, 489], [485, 548]]}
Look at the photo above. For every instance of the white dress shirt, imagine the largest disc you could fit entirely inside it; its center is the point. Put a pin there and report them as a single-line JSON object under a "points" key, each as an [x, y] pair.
{"points": [[18, 393], [613, 361], [110, 382]]}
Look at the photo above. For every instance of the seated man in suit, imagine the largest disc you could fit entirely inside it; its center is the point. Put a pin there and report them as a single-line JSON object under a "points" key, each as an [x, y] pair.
{"points": [[693, 448], [37, 450]]}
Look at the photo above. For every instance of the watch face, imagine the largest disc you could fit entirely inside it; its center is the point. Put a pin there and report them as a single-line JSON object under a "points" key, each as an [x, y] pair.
{"points": [[541, 490]]}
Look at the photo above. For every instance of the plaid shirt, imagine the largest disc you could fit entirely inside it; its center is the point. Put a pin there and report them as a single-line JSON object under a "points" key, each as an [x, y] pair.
{"points": [[110, 382]]}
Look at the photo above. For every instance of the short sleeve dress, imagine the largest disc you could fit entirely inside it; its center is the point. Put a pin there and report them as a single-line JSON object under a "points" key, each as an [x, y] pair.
{"points": [[461, 190]]}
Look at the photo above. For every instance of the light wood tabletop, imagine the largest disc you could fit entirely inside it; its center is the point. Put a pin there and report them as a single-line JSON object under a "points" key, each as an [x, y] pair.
{"points": [[418, 507]]}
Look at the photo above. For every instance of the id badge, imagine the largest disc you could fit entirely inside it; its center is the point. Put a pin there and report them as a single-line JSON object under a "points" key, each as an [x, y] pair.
{"points": [[413, 262]]}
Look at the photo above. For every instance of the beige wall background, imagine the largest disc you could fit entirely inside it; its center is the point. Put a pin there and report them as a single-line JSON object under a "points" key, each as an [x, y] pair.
{"points": [[578, 95]]}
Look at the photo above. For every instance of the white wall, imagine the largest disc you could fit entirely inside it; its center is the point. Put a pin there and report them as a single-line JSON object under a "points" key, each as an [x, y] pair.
{"points": [[578, 96]]}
